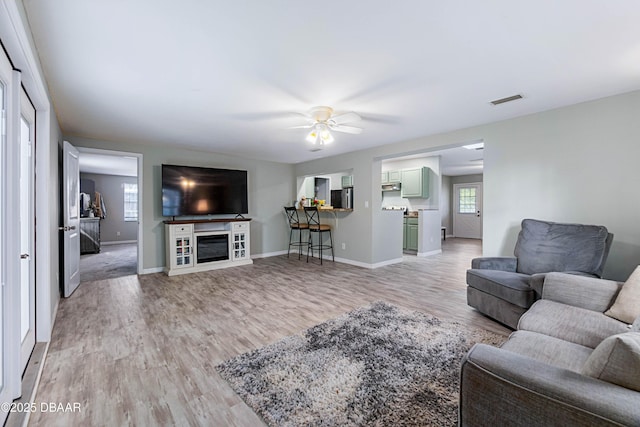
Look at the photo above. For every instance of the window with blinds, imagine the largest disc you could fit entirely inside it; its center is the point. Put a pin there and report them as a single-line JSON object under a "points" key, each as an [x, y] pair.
{"points": [[130, 202]]}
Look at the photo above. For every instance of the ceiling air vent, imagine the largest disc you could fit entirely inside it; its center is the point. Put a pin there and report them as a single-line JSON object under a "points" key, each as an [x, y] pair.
{"points": [[507, 99]]}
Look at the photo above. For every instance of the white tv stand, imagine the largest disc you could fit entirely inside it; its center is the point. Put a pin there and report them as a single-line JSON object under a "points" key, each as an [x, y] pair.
{"points": [[184, 237]]}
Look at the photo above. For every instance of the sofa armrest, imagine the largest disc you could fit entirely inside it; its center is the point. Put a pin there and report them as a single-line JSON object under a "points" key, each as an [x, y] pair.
{"points": [[498, 387], [495, 263], [580, 291]]}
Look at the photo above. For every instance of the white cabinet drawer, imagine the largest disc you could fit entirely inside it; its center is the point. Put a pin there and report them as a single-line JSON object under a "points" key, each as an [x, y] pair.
{"points": [[237, 226], [183, 228]]}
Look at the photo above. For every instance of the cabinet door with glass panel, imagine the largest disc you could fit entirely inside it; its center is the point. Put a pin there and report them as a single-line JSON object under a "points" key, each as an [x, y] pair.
{"points": [[181, 244], [240, 241]]}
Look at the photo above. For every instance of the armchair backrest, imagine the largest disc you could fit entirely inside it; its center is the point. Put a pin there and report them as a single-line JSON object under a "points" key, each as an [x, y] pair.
{"points": [[545, 246]]}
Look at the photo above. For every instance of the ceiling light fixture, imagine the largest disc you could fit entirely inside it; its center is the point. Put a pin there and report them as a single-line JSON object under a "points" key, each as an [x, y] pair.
{"points": [[322, 120], [320, 135]]}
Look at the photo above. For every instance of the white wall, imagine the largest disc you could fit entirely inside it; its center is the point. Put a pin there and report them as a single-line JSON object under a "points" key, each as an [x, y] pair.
{"points": [[445, 204], [573, 164], [270, 185], [111, 188]]}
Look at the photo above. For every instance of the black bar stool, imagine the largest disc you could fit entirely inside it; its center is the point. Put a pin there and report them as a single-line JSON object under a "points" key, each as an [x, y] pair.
{"points": [[313, 221], [295, 224]]}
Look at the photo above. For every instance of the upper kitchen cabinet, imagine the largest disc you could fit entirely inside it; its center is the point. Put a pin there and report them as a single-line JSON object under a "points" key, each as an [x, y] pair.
{"points": [[415, 183], [395, 176], [346, 181], [390, 177]]}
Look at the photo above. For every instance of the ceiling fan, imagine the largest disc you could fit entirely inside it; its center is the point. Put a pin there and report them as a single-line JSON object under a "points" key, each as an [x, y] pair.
{"points": [[322, 121]]}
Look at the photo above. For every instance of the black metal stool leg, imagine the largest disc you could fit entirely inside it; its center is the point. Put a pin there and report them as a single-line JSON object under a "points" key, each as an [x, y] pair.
{"points": [[333, 256], [290, 236]]}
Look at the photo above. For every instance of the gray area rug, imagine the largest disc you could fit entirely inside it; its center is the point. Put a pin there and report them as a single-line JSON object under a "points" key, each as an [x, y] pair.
{"points": [[375, 366]]}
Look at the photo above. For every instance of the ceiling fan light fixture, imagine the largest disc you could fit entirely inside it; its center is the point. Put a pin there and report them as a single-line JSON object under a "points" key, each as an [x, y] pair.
{"points": [[325, 135], [312, 137]]}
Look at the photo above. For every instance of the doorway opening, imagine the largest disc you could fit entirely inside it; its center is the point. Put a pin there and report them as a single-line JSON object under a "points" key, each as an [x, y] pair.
{"points": [[110, 214]]}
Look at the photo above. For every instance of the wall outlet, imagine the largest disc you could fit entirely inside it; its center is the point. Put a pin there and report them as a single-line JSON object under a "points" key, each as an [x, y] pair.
{"points": [[118, 233], [344, 246], [366, 203]]}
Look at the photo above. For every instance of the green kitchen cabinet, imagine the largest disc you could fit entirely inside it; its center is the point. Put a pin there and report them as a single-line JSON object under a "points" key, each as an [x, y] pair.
{"points": [[346, 181], [390, 177], [415, 183], [410, 234], [404, 233], [395, 176]]}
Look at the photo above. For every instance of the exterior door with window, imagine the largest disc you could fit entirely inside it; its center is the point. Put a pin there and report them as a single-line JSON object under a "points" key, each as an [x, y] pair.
{"points": [[467, 213]]}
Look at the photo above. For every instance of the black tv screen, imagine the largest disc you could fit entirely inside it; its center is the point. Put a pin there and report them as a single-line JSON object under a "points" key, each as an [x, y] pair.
{"points": [[188, 190]]}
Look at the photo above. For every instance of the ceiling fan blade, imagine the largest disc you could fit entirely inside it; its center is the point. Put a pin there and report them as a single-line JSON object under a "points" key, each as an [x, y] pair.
{"points": [[346, 129], [345, 118], [309, 126]]}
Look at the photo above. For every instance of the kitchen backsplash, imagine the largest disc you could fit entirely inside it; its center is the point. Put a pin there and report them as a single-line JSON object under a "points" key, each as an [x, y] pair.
{"points": [[392, 198]]}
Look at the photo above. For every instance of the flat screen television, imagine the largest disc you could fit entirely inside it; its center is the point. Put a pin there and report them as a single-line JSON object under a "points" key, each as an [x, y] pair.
{"points": [[189, 190]]}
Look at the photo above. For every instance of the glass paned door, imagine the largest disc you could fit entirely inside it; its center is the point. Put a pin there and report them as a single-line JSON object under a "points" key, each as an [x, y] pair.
{"points": [[27, 226]]}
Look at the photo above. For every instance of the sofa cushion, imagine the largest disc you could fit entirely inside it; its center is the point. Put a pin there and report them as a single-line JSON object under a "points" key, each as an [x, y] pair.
{"points": [[511, 287], [579, 291], [544, 246], [550, 350], [616, 360], [569, 323], [626, 307], [636, 325]]}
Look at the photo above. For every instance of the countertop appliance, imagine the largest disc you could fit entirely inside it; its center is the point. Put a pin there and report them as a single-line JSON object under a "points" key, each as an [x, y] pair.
{"points": [[342, 198]]}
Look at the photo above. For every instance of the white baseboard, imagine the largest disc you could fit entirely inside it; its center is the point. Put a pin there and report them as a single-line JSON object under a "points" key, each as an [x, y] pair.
{"points": [[338, 259], [363, 264], [118, 242], [325, 257], [153, 270], [268, 254], [425, 254]]}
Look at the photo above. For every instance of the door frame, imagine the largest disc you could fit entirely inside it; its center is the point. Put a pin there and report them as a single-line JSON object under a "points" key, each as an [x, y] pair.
{"points": [[139, 157], [454, 201], [22, 56]]}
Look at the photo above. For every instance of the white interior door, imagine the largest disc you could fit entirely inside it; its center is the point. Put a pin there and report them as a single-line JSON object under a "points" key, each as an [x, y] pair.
{"points": [[71, 214], [5, 74], [27, 226], [467, 210]]}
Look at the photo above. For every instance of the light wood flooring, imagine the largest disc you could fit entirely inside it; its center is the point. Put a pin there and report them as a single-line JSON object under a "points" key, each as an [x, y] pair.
{"points": [[143, 350]]}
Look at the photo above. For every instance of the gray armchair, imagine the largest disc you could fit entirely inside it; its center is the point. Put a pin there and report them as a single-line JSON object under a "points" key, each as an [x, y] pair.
{"points": [[505, 287]]}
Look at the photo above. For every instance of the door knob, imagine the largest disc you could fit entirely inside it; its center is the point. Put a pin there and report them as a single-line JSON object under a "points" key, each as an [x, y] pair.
{"points": [[24, 256]]}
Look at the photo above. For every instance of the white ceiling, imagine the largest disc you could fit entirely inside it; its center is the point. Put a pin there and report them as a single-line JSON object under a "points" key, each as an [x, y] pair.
{"points": [[225, 76], [108, 164]]}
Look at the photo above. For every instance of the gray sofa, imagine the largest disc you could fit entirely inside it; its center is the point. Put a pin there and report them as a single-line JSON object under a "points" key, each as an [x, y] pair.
{"points": [[505, 287], [550, 371]]}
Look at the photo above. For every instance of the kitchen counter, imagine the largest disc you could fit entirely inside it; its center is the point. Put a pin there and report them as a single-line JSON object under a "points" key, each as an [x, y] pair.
{"points": [[330, 210]]}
